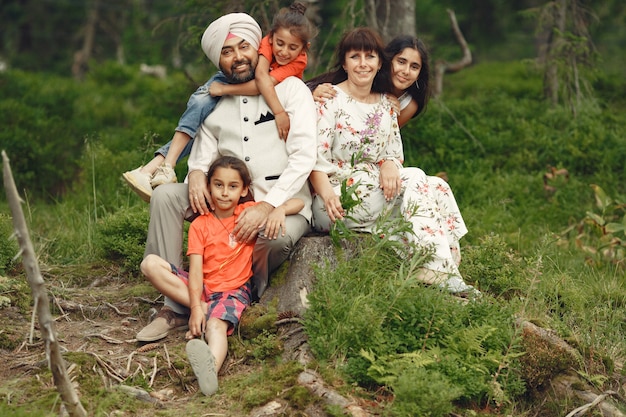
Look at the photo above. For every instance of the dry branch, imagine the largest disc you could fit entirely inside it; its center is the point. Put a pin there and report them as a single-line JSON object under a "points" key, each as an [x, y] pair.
{"points": [[314, 382], [33, 274], [444, 67]]}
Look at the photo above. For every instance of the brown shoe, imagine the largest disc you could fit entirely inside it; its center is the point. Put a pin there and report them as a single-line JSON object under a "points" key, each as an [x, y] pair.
{"points": [[164, 321]]}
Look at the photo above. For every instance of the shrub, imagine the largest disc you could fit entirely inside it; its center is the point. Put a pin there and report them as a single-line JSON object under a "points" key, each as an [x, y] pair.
{"points": [[121, 237], [374, 319], [494, 267], [8, 247]]}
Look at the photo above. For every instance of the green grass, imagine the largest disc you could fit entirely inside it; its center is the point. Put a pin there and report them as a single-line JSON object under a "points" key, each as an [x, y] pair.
{"points": [[537, 255]]}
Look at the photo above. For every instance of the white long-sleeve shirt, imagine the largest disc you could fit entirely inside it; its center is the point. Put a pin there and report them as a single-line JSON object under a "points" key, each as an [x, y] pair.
{"points": [[244, 127]]}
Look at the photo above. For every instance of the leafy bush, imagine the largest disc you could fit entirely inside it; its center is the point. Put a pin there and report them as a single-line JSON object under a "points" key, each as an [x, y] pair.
{"points": [[8, 247], [494, 267], [377, 321], [420, 392], [47, 122], [121, 237]]}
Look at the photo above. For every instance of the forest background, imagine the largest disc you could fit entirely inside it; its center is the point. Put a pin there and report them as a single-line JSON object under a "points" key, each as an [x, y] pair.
{"points": [[538, 172]]}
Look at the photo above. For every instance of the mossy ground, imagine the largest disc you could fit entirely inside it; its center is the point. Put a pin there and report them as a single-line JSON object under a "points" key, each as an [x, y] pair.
{"points": [[96, 327]]}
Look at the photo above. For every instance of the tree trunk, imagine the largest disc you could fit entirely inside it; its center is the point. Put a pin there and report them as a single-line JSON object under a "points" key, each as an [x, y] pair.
{"points": [[392, 17], [555, 28], [40, 297], [81, 57]]}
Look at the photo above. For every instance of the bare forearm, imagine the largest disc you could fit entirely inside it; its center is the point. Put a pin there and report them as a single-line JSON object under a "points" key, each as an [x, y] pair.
{"points": [[265, 84], [292, 206]]}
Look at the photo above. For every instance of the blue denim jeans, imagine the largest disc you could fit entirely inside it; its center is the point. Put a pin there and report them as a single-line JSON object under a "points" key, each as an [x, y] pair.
{"points": [[199, 106]]}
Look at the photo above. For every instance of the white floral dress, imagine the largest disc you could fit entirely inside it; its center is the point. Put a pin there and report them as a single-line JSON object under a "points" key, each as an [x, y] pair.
{"points": [[352, 139]]}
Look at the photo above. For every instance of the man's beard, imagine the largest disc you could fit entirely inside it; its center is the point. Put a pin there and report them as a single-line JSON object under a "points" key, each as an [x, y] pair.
{"points": [[241, 77]]}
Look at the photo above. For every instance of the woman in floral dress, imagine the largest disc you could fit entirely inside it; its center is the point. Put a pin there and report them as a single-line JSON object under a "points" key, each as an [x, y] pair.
{"points": [[359, 143]]}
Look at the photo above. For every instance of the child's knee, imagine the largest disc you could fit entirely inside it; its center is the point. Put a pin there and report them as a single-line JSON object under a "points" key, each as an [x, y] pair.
{"points": [[216, 326], [148, 264]]}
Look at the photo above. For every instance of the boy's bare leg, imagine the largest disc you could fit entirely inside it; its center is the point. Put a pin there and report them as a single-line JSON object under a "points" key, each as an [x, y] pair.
{"points": [[206, 360], [159, 272], [216, 335]]}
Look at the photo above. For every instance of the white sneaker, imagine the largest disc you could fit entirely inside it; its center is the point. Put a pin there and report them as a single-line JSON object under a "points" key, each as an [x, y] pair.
{"points": [[139, 183], [203, 364], [164, 174]]}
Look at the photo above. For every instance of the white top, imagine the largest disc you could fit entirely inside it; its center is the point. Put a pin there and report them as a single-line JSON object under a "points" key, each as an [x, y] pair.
{"points": [[405, 99]]}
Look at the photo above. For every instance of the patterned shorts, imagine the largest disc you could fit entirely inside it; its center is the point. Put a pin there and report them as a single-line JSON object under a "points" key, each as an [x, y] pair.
{"points": [[227, 305]]}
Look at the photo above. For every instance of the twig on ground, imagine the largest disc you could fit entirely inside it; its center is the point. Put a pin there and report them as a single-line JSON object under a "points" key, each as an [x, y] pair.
{"points": [[108, 368], [63, 313], [106, 338], [288, 320], [111, 306], [130, 358], [155, 369], [583, 409], [167, 356]]}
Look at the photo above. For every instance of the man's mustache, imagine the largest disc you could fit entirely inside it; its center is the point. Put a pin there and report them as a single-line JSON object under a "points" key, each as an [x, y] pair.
{"points": [[243, 61]]}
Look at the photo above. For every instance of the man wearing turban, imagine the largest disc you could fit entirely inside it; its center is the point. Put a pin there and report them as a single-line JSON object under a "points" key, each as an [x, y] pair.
{"points": [[243, 127]]}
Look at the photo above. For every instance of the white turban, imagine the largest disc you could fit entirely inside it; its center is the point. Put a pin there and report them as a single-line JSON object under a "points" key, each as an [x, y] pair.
{"points": [[239, 24]]}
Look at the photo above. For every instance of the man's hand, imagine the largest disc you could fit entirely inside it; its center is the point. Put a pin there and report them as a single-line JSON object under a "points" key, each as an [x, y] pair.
{"points": [[199, 193], [251, 221]]}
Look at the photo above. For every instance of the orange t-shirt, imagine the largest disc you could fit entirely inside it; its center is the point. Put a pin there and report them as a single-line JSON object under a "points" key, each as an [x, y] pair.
{"points": [[280, 72], [226, 264]]}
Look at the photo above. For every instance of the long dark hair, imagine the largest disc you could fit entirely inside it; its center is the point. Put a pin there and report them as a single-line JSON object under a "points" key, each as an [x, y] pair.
{"points": [[358, 39], [420, 92], [239, 166]]}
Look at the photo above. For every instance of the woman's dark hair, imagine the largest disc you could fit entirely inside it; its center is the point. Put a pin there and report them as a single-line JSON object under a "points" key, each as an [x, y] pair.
{"points": [[293, 19], [420, 92], [358, 39], [232, 163]]}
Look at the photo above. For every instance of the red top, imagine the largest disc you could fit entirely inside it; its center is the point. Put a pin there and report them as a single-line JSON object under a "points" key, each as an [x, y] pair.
{"points": [[227, 264], [280, 72]]}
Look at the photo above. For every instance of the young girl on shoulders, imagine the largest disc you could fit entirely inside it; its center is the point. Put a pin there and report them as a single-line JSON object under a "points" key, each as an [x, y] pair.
{"points": [[282, 53]]}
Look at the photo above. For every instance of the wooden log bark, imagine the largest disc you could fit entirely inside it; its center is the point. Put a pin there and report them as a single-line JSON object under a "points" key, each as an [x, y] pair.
{"points": [[33, 274], [290, 294]]}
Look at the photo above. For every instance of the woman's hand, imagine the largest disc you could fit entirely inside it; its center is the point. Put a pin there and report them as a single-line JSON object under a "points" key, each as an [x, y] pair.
{"points": [[323, 92], [390, 180], [333, 206], [275, 223], [199, 192], [395, 103]]}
